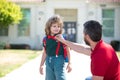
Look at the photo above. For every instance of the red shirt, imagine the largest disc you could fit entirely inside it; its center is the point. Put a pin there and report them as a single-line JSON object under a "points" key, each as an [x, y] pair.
{"points": [[104, 62]]}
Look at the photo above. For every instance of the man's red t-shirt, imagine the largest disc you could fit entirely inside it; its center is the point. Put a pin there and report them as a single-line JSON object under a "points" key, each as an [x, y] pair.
{"points": [[104, 62]]}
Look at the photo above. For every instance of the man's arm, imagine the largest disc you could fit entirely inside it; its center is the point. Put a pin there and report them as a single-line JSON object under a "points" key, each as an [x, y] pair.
{"points": [[74, 46], [97, 78]]}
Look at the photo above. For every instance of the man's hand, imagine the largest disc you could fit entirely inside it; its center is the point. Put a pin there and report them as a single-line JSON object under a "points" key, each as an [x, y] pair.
{"points": [[59, 37]]}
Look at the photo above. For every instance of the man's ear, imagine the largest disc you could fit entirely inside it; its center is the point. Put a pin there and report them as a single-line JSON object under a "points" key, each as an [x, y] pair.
{"points": [[87, 37]]}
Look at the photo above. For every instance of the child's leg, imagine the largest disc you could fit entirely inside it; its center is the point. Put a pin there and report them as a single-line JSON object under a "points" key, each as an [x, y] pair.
{"points": [[49, 70], [59, 68]]}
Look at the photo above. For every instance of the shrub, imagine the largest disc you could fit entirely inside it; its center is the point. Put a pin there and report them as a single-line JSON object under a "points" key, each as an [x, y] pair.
{"points": [[115, 44], [17, 46], [2, 44]]}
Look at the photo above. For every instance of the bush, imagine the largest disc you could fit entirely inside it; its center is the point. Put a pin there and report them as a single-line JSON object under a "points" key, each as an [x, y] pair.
{"points": [[10, 13], [17, 46], [115, 44], [2, 44]]}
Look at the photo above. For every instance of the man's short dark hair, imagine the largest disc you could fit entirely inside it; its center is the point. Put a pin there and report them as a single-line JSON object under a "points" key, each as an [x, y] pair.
{"points": [[93, 29]]}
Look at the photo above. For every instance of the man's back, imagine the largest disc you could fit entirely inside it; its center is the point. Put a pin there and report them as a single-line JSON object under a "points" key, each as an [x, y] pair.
{"points": [[104, 62]]}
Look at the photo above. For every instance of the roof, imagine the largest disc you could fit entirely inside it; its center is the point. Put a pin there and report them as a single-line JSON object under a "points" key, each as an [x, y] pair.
{"points": [[111, 1], [45, 0], [27, 0]]}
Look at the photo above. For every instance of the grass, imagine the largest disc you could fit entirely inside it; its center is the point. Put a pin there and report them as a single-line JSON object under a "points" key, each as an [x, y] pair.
{"points": [[118, 54], [12, 59]]}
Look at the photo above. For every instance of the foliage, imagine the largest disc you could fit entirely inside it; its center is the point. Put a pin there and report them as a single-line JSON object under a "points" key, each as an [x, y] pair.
{"points": [[10, 13], [118, 54]]}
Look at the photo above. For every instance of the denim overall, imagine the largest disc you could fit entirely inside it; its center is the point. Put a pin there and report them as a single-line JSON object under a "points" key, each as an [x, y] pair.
{"points": [[55, 68]]}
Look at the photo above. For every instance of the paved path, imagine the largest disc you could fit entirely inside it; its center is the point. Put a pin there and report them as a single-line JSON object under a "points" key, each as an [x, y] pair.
{"points": [[30, 70]]}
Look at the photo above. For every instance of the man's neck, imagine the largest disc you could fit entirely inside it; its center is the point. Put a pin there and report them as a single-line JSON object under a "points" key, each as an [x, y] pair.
{"points": [[93, 45]]}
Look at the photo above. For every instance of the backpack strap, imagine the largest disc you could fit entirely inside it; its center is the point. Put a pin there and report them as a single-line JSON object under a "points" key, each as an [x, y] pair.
{"points": [[65, 50], [44, 42]]}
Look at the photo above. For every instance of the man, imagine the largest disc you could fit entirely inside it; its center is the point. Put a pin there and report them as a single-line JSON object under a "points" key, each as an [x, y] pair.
{"points": [[104, 61]]}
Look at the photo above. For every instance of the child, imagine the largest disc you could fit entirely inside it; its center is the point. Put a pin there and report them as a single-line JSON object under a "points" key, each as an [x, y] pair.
{"points": [[54, 52]]}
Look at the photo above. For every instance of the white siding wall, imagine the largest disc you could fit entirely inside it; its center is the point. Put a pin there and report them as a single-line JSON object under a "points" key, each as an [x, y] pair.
{"points": [[117, 26], [41, 12], [96, 11], [40, 25], [65, 4]]}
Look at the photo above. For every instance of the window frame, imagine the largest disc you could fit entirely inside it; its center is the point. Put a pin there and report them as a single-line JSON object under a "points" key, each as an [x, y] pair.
{"points": [[103, 19], [6, 34], [28, 26]]}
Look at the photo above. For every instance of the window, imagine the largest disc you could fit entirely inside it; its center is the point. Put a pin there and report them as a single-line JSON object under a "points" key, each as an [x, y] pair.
{"points": [[108, 22], [24, 26], [4, 31]]}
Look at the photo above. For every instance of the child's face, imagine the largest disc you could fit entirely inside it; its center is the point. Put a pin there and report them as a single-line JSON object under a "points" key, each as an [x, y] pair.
{"points": [[55, 28]]}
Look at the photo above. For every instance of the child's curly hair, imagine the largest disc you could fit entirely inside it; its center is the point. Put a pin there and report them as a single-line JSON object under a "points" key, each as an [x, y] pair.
{"points": [[52, 20]]}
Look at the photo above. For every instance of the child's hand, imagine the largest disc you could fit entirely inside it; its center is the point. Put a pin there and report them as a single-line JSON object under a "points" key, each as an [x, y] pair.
{"points": [[41, 70], [69, 69]]}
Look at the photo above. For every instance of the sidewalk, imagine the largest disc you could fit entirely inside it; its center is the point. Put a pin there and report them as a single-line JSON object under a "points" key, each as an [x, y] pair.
{"points": [[30, 70]]}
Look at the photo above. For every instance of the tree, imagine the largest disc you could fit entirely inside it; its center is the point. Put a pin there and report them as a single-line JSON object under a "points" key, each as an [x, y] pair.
{"points": [[10, 13]]}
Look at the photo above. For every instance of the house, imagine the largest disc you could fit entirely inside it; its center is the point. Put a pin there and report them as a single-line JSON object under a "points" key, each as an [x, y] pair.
{"points": [[74, 12]]}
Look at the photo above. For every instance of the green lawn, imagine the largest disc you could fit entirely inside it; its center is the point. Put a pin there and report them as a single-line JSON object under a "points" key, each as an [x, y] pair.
{"points": [[12, 59]]}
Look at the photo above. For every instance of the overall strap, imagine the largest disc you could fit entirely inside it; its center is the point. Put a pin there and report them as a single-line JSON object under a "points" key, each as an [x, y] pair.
{"points": [[57, 49]]}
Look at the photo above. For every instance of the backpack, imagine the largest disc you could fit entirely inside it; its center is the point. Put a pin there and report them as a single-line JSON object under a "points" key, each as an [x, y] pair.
{"points": [[57, 49]]}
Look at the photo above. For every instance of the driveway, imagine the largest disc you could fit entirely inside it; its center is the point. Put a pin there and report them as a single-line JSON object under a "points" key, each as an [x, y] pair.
{"points": [[30, 70]]}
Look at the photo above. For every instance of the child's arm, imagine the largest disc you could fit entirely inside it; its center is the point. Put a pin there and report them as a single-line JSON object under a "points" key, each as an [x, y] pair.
{"points": [[42, 61], [69, 60], [68, 54]]}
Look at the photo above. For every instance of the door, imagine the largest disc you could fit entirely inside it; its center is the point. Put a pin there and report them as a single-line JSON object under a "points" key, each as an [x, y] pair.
{"points": [[70, 20], [70, 31]]}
